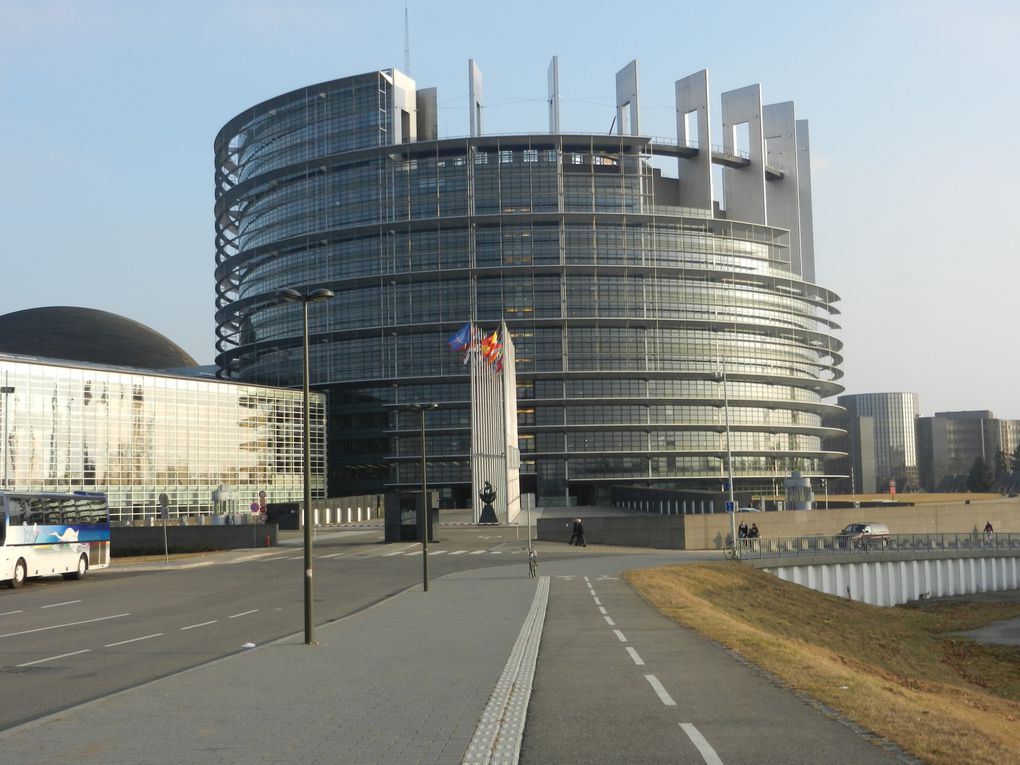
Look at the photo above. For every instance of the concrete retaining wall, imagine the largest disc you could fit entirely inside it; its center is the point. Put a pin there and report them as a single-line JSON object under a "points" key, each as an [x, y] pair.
{"points": [[711, 532], [889, 583], [639, 530], [148, 540]]}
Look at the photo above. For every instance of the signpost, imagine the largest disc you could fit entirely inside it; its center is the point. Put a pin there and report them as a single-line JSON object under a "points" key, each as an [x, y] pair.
{"points": [[164, 502]]}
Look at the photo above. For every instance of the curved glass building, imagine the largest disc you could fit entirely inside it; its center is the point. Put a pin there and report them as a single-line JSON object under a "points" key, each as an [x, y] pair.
{"points": [[646, 313]]}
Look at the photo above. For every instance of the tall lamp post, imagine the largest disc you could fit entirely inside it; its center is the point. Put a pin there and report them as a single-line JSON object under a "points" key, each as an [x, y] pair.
{"points": [[424, 500], [6, 390], [291, 295], [729, 461]]}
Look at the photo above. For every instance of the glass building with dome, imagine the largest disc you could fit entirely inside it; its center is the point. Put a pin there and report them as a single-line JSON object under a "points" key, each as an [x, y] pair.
{"points": [[647, 310]]}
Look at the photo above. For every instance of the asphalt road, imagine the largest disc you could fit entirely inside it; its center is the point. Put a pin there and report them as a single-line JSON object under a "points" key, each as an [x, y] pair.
{"points": [[64, 642]]}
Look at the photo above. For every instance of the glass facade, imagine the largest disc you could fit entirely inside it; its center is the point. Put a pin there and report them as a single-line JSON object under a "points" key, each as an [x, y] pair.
{"points": [[134, 435], [624, 309], [894, 419]]}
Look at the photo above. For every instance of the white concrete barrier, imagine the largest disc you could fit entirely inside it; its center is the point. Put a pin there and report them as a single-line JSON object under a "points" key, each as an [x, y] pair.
{"points": [[889, 583]]}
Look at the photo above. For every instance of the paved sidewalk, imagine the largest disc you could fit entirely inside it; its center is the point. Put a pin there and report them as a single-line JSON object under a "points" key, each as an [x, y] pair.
{"points": [[403, 682]]}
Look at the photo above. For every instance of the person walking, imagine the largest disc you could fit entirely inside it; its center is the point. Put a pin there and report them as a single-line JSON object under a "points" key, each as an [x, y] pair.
{"points": [[753, 533], [573, 532], [988, 531], [742, 530], [579, 530]]}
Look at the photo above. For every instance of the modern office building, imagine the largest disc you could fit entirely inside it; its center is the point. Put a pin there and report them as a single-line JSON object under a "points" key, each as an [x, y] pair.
{"points": [[134, 434], [660, 321], [949, 442], [889, 422]]}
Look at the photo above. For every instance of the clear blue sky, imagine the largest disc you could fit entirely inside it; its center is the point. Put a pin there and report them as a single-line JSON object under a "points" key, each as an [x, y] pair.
{"points": [[109, 111]]}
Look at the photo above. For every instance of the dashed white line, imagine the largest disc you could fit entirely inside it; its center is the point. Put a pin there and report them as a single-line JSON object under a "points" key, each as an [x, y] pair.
{"points": [[53, 658], [438, 552], [10, 613], [661, 692], [476, 552], [67, 624], [496, 552], [243, 613], [416, 552], [597, 602], [132, 640], [65, 603], [203, 624], [602, 610], [587, 580], [620, 636], [390, 555], [458, 552], [295, 557], [634, 655], [706, 750], [609, 621], [333, 555]]}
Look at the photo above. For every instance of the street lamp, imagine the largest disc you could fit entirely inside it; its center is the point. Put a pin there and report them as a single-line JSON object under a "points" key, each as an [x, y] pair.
{"points": [[290, 295], [6, 390], [729, 460], [424, 500]]}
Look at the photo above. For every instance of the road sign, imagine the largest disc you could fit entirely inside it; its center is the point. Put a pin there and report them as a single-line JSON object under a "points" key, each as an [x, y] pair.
{"points": [[730, 506], [254, 507]]}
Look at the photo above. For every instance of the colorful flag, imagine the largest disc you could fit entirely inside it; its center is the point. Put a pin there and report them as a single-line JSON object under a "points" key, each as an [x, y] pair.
{"points": [[461, 339]]}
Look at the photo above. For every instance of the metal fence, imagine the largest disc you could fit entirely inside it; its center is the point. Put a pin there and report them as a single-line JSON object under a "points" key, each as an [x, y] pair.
{"points": [[786, 547]]}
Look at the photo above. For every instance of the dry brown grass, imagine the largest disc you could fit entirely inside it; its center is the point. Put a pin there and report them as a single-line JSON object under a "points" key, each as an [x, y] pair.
{"points": [[895, 671]]}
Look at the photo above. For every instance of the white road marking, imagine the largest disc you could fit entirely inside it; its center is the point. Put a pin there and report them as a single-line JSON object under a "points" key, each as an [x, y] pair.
{"points": [[707, 752], [416, 552], [53, 658], [332, 555], [203, 624], [9, 613], [587, 580], [597, 602], [390, 555], [602, 610], [132, 640], [609, 621], [477, 552], [243, 613], [295, 557], [620, 636], [634, 655], [496, 552], [458, 552], [65, 603], [438, 552], [664, 697], [275, 557], [58, 626]]}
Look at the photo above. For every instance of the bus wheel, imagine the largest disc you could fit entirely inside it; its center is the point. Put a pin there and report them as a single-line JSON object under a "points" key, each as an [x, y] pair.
{"points": [[83, 567], [20, 572]]}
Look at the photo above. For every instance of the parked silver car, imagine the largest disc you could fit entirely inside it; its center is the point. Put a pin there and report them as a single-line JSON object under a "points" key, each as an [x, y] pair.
{"points": [[863, 536]]}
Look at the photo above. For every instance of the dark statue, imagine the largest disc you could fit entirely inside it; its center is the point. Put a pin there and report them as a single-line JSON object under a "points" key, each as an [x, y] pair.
{"points": [[488, 496]]}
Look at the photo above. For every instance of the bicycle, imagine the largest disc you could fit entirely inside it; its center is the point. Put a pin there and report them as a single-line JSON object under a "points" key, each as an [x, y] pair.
{"points": [[731, 552], [532, 563]]}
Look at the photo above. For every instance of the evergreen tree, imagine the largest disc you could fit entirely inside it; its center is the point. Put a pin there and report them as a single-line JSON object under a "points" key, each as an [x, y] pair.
{"points": [[980, 476], [1001, 463]]}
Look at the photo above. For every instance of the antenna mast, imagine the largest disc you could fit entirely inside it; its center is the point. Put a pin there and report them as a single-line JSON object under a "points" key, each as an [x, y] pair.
{"points": [[407, 43]]}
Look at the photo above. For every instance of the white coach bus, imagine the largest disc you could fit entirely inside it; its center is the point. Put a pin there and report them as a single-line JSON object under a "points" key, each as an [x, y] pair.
{"points": [[49, 534]]}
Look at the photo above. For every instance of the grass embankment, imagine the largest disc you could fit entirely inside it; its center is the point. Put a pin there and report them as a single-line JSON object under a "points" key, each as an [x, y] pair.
{"points": [[895, 671]]}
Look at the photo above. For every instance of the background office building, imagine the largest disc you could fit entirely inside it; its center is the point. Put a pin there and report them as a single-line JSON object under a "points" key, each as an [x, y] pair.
{"points": [[949, 442], [646, 301], [882, 435], [86, 424]]}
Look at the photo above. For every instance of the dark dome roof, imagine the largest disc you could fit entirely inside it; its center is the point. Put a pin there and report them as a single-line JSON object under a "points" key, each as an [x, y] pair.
{"points": [[85, 334]]}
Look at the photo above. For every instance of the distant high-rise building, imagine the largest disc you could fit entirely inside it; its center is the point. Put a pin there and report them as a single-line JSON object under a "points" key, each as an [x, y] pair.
{"points": [[658, 325], [891, 418]]}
